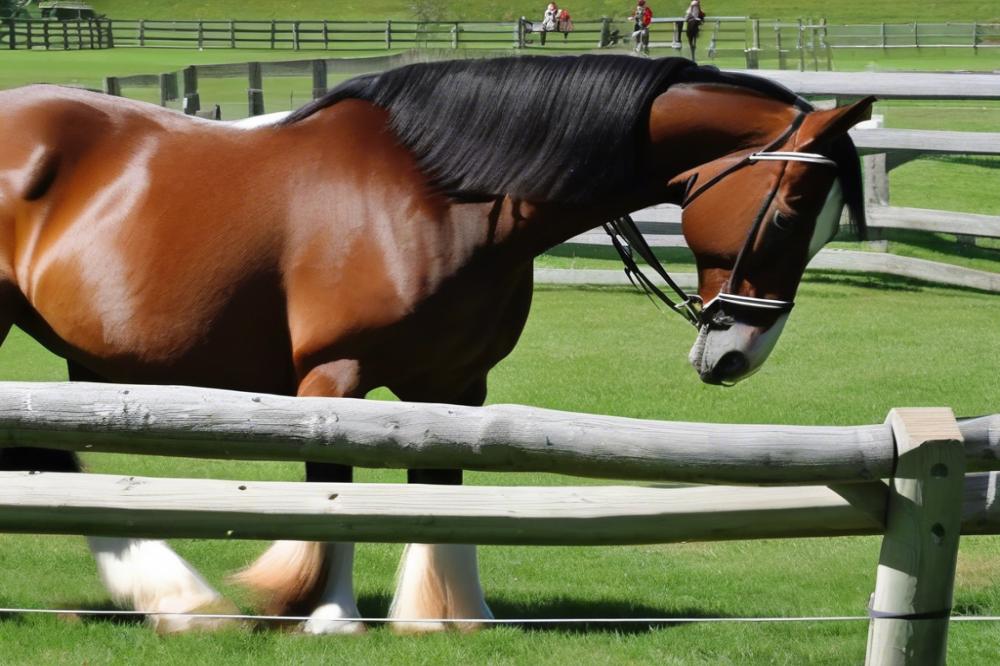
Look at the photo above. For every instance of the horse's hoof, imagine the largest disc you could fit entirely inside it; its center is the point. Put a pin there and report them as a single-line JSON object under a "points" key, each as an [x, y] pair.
{"points": [[334, 618], [173, 624]]}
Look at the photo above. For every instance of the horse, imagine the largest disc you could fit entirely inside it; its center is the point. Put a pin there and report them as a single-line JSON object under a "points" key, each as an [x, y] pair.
{"points": [[383, 236]]}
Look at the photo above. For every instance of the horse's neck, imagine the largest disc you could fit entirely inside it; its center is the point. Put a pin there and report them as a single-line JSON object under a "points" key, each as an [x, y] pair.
{"points": [[690, 125], [695, 124]]}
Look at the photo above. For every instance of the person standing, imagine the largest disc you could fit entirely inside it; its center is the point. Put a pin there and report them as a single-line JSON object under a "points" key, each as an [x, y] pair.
{"points": [[641, 17], [550, 20], [565, 23], [693, 18]]}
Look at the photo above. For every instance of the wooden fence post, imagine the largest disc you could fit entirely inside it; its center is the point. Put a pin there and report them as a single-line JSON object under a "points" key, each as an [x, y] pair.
{"points": [[295, 36], [519, 33], [326, 35], [201, 35], [112, 86], [232, 33], [454, 36], [388, 34], [111, 33], [192, 101], [876, 175], [916, 571], [28, 35], [255, 93], [605, 37], [800, 45], [142, 32], [11, 25], [319, 78], [168, 87], [273, 36], [782, 64]]}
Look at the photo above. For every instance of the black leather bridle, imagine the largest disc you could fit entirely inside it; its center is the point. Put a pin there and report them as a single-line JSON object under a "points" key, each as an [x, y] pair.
{"points": [[626, 239]]}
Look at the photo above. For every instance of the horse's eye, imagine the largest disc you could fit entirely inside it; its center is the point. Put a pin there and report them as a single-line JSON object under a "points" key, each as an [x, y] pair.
{"points": [[782, 222]]}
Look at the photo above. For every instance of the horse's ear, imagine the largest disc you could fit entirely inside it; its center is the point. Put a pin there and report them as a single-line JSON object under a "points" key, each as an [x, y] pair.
{"points": [[820, 127]]}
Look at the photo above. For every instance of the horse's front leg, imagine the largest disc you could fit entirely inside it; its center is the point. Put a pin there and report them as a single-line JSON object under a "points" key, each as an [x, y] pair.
{"points": [[440, 581], [307, 577], [146, 574]]}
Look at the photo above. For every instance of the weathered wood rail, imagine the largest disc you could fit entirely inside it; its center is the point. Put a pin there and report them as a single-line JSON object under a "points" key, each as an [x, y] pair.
{"points": [[204, 423], [926, 506]]}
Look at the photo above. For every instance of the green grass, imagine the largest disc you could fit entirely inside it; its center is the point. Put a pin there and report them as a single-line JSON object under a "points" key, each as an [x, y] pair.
{"points": [[855, 347]]}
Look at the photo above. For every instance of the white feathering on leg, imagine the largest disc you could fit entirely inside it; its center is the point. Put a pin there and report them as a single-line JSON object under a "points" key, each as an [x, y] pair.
{"points": [[150, 577], [438, 581], [337, 608]]}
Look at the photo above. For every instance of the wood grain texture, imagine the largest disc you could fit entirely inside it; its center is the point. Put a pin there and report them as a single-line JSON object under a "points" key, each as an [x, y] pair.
{"points": [[916, 570], [887, 85], [110, 505], [207, 423], [924, 219], [925, 142]]}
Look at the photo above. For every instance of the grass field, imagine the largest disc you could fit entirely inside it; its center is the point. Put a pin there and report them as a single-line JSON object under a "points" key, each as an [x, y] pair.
{"points": [[853, 349]]}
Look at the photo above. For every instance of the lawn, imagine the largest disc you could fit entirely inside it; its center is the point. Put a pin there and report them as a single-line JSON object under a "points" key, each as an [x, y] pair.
{"points": [[855, 347]]}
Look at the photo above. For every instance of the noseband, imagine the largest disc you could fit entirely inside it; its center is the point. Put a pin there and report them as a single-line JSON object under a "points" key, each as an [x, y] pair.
{"points": [[626, 237]]}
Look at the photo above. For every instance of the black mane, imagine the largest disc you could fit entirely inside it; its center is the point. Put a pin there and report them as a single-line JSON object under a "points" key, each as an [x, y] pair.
{"points": [[566, 129]]}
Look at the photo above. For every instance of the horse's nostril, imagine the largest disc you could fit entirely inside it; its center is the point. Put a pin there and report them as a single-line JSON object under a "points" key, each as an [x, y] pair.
{"points": [[732, 365]]}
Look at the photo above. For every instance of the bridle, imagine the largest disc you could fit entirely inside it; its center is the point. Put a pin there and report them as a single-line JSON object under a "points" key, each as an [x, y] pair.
{"points": [[718, 312]]}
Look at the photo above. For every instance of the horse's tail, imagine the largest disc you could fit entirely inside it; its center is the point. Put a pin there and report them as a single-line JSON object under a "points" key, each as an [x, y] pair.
{"points": [[290, 575]]}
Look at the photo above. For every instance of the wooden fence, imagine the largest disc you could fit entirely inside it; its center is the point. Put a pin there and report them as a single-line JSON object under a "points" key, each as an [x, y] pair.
{"points": [[927, 503], [51, 35], [806, 44]]}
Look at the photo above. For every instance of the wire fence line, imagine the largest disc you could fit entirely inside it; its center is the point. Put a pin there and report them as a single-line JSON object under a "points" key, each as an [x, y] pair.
{"points": [[464, 621]]}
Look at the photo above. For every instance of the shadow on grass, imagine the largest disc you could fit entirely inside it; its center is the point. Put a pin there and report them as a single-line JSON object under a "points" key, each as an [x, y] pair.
{"points": [[566, 607], [883, 282], [117, 618]]}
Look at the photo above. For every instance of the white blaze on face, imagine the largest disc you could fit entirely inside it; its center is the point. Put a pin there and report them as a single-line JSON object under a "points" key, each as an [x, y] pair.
{"points": [[828, 220], [755, 343]]}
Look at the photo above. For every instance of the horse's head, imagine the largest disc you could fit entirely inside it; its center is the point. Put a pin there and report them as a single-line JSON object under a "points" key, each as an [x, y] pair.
{"points": [[753, 220]]}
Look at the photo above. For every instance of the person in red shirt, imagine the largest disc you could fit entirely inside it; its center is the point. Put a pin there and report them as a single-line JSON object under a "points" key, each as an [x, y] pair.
{"points": [[642, 16]]}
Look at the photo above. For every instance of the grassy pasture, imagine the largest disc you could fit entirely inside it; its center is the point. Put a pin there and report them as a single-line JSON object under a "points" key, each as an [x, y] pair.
{"points": [[855, 347]]}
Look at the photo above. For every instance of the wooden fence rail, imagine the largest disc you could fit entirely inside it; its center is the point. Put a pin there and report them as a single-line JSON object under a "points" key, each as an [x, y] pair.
{"points": [[206, 423], [109, 505], [926, 506]]}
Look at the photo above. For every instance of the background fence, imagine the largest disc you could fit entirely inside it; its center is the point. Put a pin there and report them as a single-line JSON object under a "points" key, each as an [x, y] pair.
{"points": [[805, 43]]}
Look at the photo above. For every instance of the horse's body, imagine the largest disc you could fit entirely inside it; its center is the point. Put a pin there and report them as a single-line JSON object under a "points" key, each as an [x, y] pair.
{"points": [[347, 248]]}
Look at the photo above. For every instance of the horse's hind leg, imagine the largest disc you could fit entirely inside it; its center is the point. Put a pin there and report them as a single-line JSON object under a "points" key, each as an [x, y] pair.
{"points": [[306, 577], [440, 581], [149, 576]]}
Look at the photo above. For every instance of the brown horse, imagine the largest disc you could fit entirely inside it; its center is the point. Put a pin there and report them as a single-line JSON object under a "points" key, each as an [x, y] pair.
{"points": [[384, 236]]}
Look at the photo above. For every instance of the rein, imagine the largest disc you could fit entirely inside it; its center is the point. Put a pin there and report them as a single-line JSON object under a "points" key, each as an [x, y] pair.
{"points": [[626, 238]]}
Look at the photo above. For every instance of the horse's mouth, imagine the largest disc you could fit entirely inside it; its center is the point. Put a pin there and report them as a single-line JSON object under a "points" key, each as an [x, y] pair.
{"points": [[727, 356]]}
